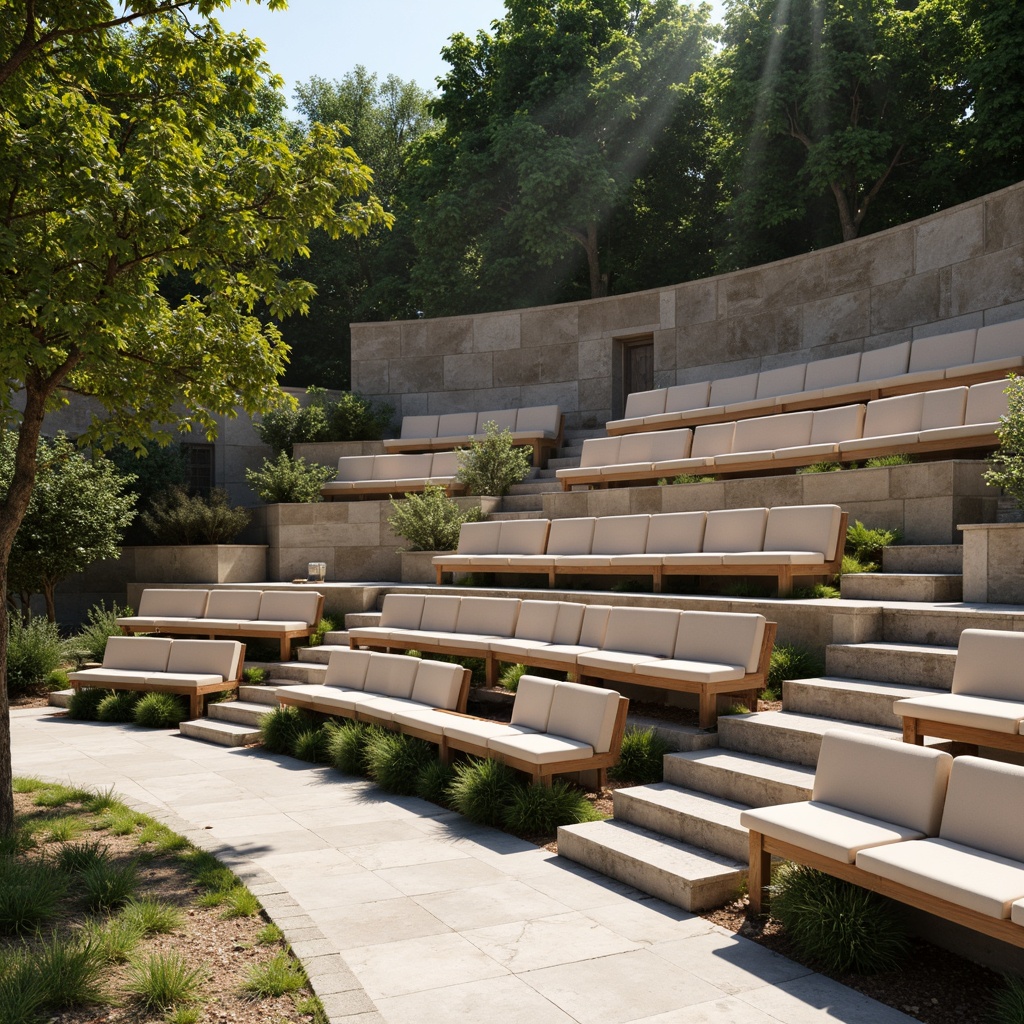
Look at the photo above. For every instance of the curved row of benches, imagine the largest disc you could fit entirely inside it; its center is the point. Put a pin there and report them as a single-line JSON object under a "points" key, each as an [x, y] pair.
{"points": [[961, 357], [378, 476], [943, 419]]}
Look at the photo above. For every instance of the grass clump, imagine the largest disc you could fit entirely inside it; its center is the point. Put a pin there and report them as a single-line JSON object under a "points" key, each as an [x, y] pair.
{"points": [[60, 796], [84, 703], [275, 977], [641, 757], [239, 902], [160, 711], [74, 858], [280, 728], [323, 627], [347, 748], [163, 980], [789, 661], [821, 467], [433, 781], [30, 893], [510, 676], [837, 924], [538, 810], [269, 934], [117, 706], [22, 989], [482, 790], [116, 937], [312, 743], [63, 830], [151, 916], [72, 969], [107, 885], [395, 761], [1007, 1005], [120, 820]]}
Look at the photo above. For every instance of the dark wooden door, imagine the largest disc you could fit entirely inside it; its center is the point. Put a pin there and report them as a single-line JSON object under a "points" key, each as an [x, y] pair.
{"points": [[639, 375]]}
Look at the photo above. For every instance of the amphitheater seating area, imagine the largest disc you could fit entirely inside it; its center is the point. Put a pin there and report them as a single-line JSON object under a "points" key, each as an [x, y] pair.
{"points": [[379, 476]]}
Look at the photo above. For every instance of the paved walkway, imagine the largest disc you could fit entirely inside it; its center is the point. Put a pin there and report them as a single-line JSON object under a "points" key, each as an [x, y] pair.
{"points": [[405, 913]]}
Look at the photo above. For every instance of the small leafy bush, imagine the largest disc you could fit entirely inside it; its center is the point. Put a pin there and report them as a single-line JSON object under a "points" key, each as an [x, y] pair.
{"points": [[254, 676], [433, 781], [539, 810], [30, 892], [482, 790], [286, 480], [494, 464], [323, 627], [510, 676], [790, 661], [160, 711], [430, 521], [837, 924], [57, 680], [350, 417], [117, 707], [866, 544], [311, 744], [686, 478], [851, 564], [34, 650], [100, 625], [347, 747], [164, 979], [395, 761], [176, 517], [641, 757], [269, 934], [84, 702], [821, 467], [280, 728], [895, 459]]}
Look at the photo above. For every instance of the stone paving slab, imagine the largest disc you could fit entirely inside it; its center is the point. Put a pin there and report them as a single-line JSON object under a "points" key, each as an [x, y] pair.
{"points": [[403, 912]]}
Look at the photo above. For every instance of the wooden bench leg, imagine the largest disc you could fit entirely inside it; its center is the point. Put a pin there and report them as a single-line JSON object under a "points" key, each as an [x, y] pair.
{"points": [[759, 874], [910, 733], [551, 579], [491, 670], [658, 581], [785, 581], [195, 705], [439, 573], [707, 709], [286, 648]]}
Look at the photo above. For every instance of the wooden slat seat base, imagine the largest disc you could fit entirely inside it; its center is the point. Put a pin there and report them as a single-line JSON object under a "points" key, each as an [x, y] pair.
{"points": [[915, 730]]}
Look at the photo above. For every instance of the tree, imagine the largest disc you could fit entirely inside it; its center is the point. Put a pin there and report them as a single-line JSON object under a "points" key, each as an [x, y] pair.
{"points": [[120, 163], [77, 515], [823, 102], [548, 124]]}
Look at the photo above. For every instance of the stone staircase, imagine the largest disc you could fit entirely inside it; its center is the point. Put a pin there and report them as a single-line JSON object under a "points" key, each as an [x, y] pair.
{"points": [[524, 500], [910, 572]]}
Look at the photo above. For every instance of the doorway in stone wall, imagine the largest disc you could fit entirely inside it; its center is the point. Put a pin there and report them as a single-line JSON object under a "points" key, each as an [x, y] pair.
{"points": [[638, 366]]}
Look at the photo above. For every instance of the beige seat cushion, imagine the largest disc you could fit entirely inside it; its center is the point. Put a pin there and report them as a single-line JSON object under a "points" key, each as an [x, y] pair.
{"points": [[988, 664], [401, 611], [444, 466], [539, 748], [536, 621], [108, 677], [503, 419], [352, 468], [649, 631], [390, 675], [456, 424], [614, 535], [833, 832], [803, 528], [236, 605], [735, 529], [975, 813], [186, 604], [676, 532], [599, 451], [939, 351], [986, 402], [570, 537], [473, 730], [585, 714], [208, 657], [440, 613], [601, 663], [783, 380], [389, 468], [310, 691], [835, 371], [384, 709], [684, 397], [689, 670], [727, 390], [766, 433], [532, 706], [289, 605], [347, 668], [137, 653], [963, 709], [574, 621], [488, 616], [537, 420], [416, 716], [882, 363], [176, 680], [886, 417], [438, 684], [999, 341], [523, 536], [645, 403], [943, 408], [478, 538], [829, 427], [724, 638], [416, 427]]}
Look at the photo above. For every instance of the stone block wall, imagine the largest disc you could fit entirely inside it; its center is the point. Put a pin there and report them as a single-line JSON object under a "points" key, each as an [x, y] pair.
{"points": [[960, 268]]}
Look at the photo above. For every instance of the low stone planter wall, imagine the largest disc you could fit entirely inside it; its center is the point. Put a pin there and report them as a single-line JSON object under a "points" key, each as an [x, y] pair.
{"points": [[994, 563], [418, 566], [197, 563]]}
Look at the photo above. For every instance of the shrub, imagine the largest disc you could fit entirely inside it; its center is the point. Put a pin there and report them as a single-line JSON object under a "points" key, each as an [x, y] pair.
{"points": [[821, 467], [151, 916], [73, 970], [850, 564], [280, 728], [323, 627], [510, 676], [494, 464], [22, 988], [275, 977], [100, 625], [685, 478], [433, 781], [163, 979], [57, 680], [539, 810], [286, 480], [117, 707], [311, 743], [254, 676], [895, 459], [790, 661], [107, 885], [160, 711], [865, 544], [395, 761], [175, 517], [84, 702], [350, 417], [641, 757], [346, 749], [1008, 1002], [30, 892], [836, 924], [430, 521], [34, 650], [482, 789]]}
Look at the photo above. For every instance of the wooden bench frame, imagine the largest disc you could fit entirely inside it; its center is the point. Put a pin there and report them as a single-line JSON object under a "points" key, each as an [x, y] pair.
{"points": [[425, 646], [915, 729], [763, 847], [197, 694], [369, 489], [251, 629]]}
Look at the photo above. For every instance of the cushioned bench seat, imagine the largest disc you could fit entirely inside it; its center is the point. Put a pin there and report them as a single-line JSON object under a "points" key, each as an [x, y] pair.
{"points": [[381, 476], [192, 668], [164, 606]]}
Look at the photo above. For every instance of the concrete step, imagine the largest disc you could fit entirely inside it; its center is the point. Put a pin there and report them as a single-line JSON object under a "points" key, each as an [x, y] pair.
{"points": [[672, 871], [787, 735], [679, 737], [523, 503], [258, 694], [564, 462], [241, 712], [290, 672], [60, 698], [942, 624], [354, 619], [923, 558], [536, 487], [227, 734], [855, 700], [741, 778], [321, 654], [708, 822], [542, 474], [335, 638], [504, 516], [910, 664], [893, 586]]}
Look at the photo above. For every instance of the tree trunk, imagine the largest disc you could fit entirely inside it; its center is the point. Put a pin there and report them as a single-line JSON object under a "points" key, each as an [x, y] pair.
{"points": [[51, 607], [598, 287]]}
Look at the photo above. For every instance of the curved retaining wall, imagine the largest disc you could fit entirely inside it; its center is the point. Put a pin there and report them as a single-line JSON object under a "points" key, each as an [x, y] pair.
{"points": [[960, 268]]}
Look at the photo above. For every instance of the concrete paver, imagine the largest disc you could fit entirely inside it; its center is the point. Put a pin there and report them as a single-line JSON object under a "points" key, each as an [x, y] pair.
{"points": [[404, 913]]}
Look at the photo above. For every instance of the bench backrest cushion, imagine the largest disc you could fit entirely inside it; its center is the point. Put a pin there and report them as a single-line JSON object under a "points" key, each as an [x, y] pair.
{"points": [[712, 439], [990, 663], [940, 351], [524, 536], [594, 625], [391, 675], [137, 653], [899, 415], [832, 372], [637, 448], [206, 657], [728, 390], [675, 533], [571, 536], [347, 668], [620, 535], [723, 638], [879, 363], [355, 467], [645, 403], [297, 606], [1000, 341], [649, 631], [402, 611], [987, 402], [188, 604], [584, 713], [419, 426], [440, 613], [983, 804], [401, 467], [537, 621], [569, 623], [804, 528], [943, 408], [532, 706], [234, 604], [684, 397], [503, 419], [438, 684], [444, 464], [783, 380], [735, 529], [479, 538], [842, 423], [895, 782], [785, 430], [456, 424], [600, 451], [488, 616], [541, 418], [667, 444]]}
